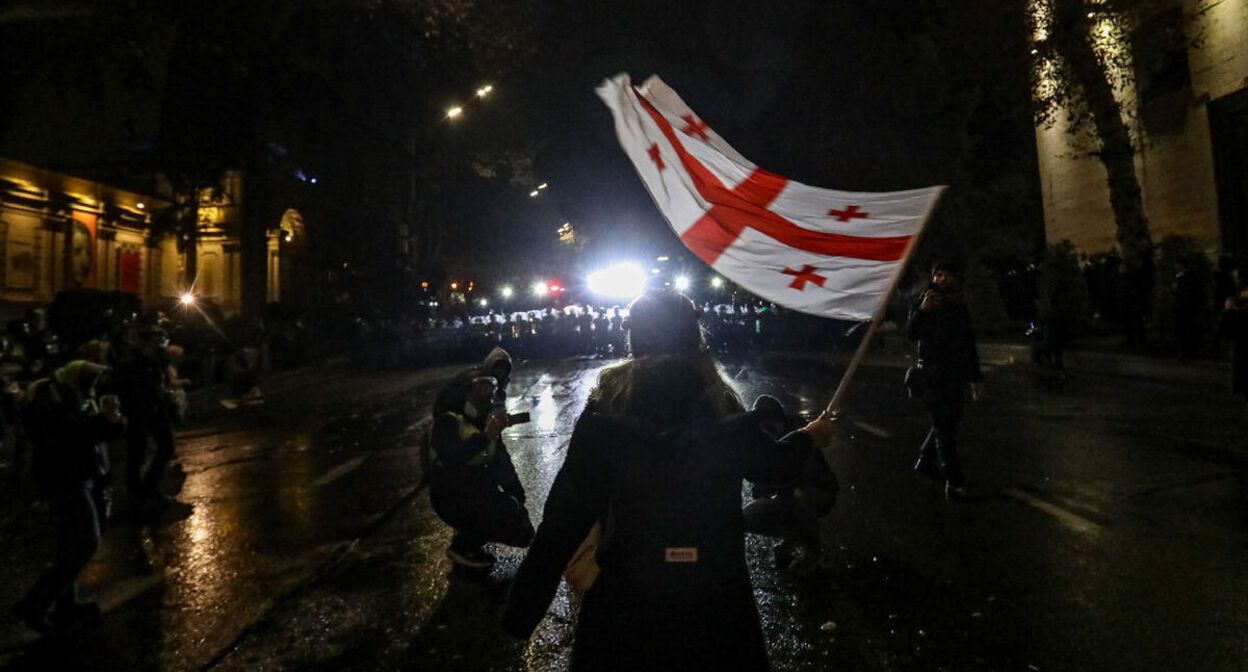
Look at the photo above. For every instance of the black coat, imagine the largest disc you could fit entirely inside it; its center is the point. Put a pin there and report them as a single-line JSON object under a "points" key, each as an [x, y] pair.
{"points": [[673, 591], [140, 381], [1233, 325], [946, 342], [465, 461], [67, 437]]}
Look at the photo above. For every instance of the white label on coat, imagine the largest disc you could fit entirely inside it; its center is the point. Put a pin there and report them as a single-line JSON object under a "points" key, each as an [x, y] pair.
{"points": [[681, 554]]}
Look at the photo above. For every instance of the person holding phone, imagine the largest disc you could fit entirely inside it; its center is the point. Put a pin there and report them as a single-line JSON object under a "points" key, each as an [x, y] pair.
{"points": [[473, 484], [948, 364]]}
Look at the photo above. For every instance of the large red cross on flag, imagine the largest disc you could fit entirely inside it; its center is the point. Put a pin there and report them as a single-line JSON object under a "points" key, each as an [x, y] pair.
{"points": [[756, 227]]}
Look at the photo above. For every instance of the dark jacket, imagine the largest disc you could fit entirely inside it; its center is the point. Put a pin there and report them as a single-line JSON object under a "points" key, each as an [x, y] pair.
{"points": [[464, 459], [140, 381], [1189, 298], [673, 590], [1233, 326], [66, 435], [946, 340]]}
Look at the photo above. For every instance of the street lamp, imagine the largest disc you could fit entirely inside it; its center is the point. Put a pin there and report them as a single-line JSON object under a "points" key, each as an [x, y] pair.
{"points": [[485, 90], [454, 112]]}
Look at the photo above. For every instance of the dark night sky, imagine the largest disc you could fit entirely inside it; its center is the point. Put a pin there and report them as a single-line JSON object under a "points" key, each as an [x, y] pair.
{"points": [[858, 96], [726, 59], [767, 78]]}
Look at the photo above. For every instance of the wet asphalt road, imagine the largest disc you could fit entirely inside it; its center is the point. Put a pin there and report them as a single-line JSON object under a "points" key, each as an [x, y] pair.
{"points": [[1107, 530]]}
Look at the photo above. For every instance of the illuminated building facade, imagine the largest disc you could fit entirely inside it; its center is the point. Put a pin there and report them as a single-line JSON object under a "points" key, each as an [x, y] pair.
{"points": [[1184, 91], [61, 232]]}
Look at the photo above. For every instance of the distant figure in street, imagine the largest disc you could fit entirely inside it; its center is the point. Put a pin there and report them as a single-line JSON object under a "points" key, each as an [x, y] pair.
{"points": [[1189, 299], [141, 379], [657, 460], [497, 365], [1224, 281], [68, 430], [242, 370], [177, 384], [473, 484], [1048, 336], [1131, 292], [948, 363], [1233, 326]]}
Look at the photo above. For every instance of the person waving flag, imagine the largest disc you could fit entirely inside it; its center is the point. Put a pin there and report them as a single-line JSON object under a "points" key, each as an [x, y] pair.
{"points": [[820, 251]]}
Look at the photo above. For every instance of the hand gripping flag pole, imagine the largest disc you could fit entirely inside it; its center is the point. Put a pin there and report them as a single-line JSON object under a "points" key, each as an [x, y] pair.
{"points": [[825, 252]]}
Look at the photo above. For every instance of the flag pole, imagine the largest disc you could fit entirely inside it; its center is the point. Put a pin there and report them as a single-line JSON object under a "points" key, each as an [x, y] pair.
{"points": [[860, 354]]}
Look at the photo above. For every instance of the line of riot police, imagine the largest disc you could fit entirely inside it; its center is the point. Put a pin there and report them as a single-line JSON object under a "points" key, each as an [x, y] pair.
{"points": [[581, 331]]}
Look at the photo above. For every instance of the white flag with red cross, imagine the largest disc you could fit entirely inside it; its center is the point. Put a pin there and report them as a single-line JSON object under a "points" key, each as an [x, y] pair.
{"points": [[819, 251]]}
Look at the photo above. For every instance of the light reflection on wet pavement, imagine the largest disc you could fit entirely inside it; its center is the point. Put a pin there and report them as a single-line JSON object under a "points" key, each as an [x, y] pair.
{"points": [[307, 545]]}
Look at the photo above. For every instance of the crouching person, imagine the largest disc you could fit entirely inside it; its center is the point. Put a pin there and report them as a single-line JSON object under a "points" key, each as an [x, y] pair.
{"points": [[791, 510], [68, 430], [472, 483]]}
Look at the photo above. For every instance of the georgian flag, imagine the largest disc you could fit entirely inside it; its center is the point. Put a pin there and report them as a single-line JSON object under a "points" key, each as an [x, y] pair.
{"points": [[819, 251]]}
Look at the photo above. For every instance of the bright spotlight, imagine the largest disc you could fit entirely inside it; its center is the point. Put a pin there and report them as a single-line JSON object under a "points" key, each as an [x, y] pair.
{"points": [[454, 112], [682, 283], [483, 303], [533, 194], [506, 291], [717, 282], [623, 281], [188, 299], [539, 288]]}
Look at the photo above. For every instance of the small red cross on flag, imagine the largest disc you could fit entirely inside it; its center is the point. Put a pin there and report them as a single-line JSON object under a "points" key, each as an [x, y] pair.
{"points": [[694, 126], [847, 214], [800, 278], [655, 156], [756, 227]]}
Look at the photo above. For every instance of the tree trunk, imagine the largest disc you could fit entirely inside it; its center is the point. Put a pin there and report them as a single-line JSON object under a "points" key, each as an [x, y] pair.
{"points": [[190, 237], [1116, 152]]}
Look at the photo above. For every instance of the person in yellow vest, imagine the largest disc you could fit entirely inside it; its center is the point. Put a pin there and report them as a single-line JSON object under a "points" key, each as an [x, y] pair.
{"points": [[68, 429], [472, 482]]}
